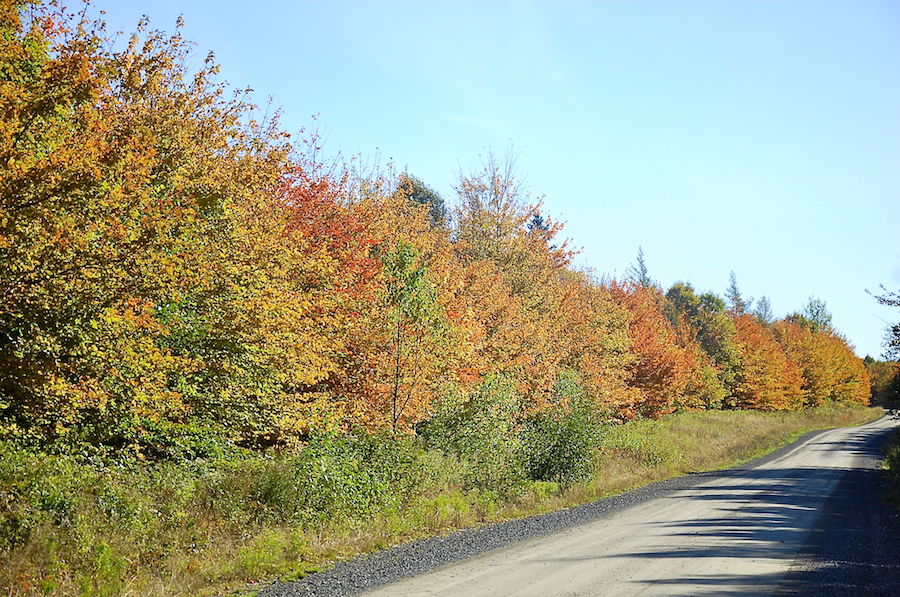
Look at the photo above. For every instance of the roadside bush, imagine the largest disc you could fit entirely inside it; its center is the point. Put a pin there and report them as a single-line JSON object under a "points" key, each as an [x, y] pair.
{"points": [[33, 492], [335, 477], [481, 430], [357, 476], [558, 447], [71, 527], [501, 451], [558, 444]]}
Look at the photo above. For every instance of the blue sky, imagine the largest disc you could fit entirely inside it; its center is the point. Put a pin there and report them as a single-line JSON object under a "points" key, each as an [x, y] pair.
{"points": [[757, 136]]}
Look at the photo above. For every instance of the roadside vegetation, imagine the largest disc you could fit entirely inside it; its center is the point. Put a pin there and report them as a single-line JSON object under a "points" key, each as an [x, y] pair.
{"points": [[892, 465], [211, 526], [225, 357], [885, 376]]}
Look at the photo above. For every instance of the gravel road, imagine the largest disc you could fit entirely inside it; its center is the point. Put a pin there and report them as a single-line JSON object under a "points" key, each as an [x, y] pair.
{"points": [[808, 519]]}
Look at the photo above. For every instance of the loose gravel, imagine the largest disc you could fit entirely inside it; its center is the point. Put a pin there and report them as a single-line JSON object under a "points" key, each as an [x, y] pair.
{"points": [[367, 572]]}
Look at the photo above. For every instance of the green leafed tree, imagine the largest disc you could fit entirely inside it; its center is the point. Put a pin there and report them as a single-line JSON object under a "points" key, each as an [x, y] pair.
{"points": [[816, 313], [683, 302], [714, 330], [712, 302], [414, 316]]}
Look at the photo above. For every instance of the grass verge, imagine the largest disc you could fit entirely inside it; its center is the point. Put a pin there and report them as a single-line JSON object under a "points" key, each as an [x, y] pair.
{"points": [[219, 526], [892, 467]]}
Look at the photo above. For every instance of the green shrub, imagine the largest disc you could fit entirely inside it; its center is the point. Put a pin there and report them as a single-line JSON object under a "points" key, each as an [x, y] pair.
{"points": [[73, 527], [558, 445], [33, 491], [357, 475], [351, 477], [481, 430]]}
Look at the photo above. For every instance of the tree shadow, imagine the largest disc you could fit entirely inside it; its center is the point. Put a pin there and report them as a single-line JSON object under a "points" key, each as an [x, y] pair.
{"points": [[848, 546]]}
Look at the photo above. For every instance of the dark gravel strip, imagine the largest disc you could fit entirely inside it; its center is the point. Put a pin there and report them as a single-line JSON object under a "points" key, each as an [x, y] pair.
{"points": [[366, 572]]}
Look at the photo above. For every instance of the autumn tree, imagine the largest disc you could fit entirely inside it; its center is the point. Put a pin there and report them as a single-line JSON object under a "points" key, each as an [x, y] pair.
{"points": [[830, 369], [765, 378], [492, 206], [306, 271], [668, 366], [596, 345], [406, 339], [715, 333], [171, 266], [148, 279], [515, 284], [883, 376]]}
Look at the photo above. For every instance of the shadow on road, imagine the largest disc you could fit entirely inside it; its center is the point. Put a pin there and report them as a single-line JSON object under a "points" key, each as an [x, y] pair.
{"points": [[853, 548]]}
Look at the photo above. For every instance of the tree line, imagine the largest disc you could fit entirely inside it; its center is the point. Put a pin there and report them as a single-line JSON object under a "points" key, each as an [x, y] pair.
{"points": [[178, 272]]}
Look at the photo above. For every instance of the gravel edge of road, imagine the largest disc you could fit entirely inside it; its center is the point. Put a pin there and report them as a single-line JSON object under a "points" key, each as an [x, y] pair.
{"points": [[368, 571]]}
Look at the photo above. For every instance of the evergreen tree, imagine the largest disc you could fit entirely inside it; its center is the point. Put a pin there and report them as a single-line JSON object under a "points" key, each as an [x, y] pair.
{"points": [[763, 311], [637, 273], [816, 315], [415, 190], [737, 304]]}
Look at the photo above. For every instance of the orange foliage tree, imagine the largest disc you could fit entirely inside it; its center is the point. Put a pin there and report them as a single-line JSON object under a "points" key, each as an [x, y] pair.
{"points": [[120, 174], [514, 281], [403, 344], [596, 346], [830, 369], [667, 366], [170, 265], [766, 379]]}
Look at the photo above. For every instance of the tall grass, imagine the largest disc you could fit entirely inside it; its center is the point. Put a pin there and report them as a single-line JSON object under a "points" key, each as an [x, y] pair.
{"points": [[203, 527]]}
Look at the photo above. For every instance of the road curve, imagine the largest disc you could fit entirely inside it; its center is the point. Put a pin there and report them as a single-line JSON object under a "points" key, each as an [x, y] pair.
{"points": [[741, 532]]}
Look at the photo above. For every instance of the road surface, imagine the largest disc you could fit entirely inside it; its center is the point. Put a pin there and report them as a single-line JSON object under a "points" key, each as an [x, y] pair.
{"points": [[739, 532]]}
